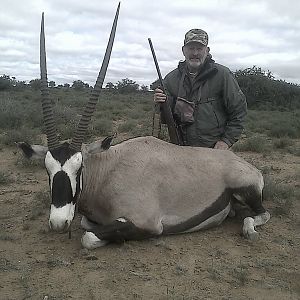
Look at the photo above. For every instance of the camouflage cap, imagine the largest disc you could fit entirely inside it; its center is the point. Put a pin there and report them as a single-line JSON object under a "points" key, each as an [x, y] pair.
{"points": [[196, 35]]}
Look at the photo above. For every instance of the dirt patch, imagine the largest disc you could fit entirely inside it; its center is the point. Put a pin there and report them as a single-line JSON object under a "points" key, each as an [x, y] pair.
{"points": [[213, 264]]}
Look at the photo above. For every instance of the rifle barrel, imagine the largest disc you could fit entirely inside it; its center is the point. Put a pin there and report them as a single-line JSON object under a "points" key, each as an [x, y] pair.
{"points": [[156, 64], [173, 130]]}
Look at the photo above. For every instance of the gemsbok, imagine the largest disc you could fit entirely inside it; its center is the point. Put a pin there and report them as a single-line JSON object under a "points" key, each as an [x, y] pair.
{"points": [[143, 187]]}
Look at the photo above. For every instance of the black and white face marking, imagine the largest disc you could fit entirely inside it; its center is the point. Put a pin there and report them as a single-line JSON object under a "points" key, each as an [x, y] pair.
{"points": [[64, 170]]}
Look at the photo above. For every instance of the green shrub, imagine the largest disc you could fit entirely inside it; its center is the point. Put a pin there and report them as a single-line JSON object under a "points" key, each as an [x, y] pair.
{"points": [[127, 126], [40, 204], [283, 130], [24, 162], [11, 113], [255, 143], [65, 131], [274, 123], [135, 114], [102, 127], [5, 236], [281, 194], [274, 190], [294, 150], [17, 111], [283, 142], [10, 137], [5, 178], [65, 115], [99, 115]]}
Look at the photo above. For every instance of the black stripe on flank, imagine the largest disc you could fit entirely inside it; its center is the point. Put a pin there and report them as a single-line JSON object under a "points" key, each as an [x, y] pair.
{"points": [[61, 189], [220, 204], [118, 231]]}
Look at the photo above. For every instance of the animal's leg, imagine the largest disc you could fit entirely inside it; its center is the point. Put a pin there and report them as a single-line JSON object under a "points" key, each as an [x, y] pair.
{"points": [[249, 230], [252, 197], [240, 209], [262, 219], [231, 213], [250, 224], [90, 241], [118, 231], [121, 230], [87, 224], [243, 212]]}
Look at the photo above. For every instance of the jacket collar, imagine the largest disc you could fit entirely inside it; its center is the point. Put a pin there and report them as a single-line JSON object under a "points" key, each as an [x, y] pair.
{"points": [[206, 70], [186, 87]]}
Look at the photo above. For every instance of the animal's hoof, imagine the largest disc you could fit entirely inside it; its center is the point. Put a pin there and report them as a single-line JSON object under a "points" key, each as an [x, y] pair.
{"points": [[90, 241], [253, 236], [266, 217]]}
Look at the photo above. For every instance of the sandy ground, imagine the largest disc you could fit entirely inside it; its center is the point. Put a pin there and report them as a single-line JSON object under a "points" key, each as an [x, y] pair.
{"points": [[214, 264]]}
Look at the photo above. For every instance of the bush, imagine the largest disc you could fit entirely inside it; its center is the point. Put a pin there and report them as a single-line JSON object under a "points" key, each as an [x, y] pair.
{"points": [[282, 195], [102, 127], [10, 137], [65, 131], [40, 204], [255, 143], [294, 150], [6, 82], [274, 123], [5, 178], [127, 126], [282, 143], [26, 163], [263, 91], [16, 111], [283, 130], [11, 113], [65, 115]]}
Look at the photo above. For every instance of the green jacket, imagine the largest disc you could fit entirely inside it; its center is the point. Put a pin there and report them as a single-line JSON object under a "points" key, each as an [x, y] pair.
{"points": [[220, 106]]}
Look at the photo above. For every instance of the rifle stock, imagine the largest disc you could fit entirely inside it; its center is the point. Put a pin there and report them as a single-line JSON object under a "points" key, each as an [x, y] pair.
{"points": [[166, 111]]}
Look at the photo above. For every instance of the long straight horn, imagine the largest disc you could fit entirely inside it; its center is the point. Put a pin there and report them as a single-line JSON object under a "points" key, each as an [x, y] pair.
{"points": [[46, 102], [91, 105]]}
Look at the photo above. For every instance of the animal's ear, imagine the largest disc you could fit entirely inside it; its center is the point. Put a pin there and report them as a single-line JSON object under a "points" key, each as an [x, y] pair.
{"points": [[106, 143], [36, 152]]}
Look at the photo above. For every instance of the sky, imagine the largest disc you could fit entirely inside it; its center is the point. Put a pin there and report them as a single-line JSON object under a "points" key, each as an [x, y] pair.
{"points": [[241, 33]]}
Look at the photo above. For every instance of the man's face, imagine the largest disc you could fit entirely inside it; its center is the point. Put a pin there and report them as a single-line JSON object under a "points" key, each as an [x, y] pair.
{"points": [[195, 54]]}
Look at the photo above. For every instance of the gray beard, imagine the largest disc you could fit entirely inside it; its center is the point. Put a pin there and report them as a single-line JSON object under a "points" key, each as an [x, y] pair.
{"points": [[195, 66]]}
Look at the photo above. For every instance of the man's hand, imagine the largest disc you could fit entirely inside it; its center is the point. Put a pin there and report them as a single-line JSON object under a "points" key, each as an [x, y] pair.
{"points": [[159, 96], [221, 145]]}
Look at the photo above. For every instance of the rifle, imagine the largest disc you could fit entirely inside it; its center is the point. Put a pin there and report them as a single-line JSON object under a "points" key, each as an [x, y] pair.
{"points": [[166, 111]]}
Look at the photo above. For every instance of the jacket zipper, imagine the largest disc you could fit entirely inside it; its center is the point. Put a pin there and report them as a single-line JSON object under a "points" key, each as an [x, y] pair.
{"points": [[215, 115]]}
